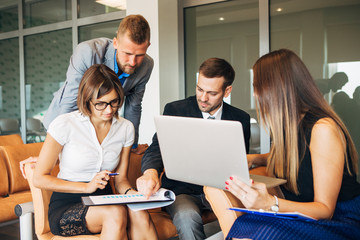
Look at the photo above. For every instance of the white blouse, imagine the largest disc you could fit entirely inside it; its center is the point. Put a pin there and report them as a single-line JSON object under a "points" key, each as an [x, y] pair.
{"points": [[82, 155]]}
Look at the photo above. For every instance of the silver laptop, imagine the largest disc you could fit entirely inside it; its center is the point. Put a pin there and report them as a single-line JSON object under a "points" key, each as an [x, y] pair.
{"points": [[204, 152]]}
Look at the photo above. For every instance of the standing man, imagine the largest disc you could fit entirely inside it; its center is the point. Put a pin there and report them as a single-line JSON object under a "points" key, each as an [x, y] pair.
{"points": [[126, 55], [214, 83]]}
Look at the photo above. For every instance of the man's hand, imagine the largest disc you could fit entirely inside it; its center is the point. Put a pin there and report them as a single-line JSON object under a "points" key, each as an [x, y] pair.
{"points": [[148, 183], [28, 160], [140, 149]]}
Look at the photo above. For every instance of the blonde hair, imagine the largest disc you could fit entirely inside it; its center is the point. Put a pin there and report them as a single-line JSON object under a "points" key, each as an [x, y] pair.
{"points": [[285, 92], [136, 27]]}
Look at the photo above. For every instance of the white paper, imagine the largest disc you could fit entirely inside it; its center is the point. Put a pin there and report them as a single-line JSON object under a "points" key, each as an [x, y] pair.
{"points": [[151, 205], [136, 202]]}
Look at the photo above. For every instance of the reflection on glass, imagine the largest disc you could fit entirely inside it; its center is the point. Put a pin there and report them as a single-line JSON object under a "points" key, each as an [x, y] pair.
{"points": [[9, 86], [43, 12], [8, 16], [228, 30], [327, 39], [107, 29], [46, 61], [91, 8]]}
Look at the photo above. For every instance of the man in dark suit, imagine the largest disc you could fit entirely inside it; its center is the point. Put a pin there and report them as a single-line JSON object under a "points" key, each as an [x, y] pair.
{"points": [[214, 83]]}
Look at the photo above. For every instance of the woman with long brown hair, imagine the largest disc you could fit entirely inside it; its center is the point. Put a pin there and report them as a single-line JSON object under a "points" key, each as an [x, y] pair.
{"points": [[311, 148]]}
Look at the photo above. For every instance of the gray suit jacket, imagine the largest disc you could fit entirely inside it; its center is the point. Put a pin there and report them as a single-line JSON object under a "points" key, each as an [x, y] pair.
{"points": [[99, 51]]}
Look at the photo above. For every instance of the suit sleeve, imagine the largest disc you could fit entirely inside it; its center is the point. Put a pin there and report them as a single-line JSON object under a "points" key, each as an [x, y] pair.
{"points": [[152, 156], [80, 61], [132, 108], [133, 101], [247, 133]]}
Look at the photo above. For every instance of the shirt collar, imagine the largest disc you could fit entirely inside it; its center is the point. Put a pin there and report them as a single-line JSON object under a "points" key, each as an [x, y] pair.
{"points": [[217, 114], [123, 76]]}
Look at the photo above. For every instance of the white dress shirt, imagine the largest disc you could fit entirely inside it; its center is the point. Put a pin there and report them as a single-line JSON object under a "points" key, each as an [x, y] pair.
{"points": [[217, 114], [82, 155]]}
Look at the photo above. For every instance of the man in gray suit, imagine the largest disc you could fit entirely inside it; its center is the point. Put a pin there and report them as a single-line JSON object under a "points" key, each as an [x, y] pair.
{"points": [[126, 55]]}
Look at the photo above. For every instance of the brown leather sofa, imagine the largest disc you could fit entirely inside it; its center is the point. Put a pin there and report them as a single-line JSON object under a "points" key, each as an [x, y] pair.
{"points": [[13, 187], [14, 154]]}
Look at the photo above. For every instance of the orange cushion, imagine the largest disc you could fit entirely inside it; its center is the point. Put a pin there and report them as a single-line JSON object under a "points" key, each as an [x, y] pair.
{"points": [[4, 181], [134, 171], [12, 156], [13, 139], [7, 204]]}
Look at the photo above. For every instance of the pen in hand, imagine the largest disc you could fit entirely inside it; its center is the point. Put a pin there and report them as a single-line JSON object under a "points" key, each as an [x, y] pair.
{"points": [[113, 174]]}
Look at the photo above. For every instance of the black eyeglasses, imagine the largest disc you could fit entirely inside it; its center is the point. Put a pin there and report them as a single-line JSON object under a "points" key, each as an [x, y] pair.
{"points": [[102, 105]]}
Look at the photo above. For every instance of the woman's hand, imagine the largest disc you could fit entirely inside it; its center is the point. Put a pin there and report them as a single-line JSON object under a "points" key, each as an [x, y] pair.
{"points": [[28, 160], [254, 195], [98, 182]]}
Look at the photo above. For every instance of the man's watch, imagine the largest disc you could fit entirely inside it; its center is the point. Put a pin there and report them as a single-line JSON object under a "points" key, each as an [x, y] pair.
{"points": [[275, 207]]}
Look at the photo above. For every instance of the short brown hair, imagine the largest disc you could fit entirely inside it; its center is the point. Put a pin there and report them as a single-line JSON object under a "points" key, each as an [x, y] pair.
{"points": [[98, 81], [217, 67], [136, 27]]}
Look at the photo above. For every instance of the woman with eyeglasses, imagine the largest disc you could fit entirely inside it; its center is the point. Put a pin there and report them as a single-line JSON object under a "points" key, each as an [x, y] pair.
{"points": [[91, 143], [311, 149]]}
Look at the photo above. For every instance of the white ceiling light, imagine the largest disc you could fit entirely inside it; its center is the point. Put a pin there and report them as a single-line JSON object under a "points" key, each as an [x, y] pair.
{"points": [[221, 19], [279, 9], [120, 4]]}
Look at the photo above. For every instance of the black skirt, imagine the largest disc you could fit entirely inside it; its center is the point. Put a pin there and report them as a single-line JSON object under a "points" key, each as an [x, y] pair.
{"points": [[67, 212]]}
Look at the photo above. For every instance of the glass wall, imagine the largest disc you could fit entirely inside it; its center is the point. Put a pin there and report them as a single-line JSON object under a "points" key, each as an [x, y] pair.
{"points": [[91, 8], [43, 12], [228, 30], [9, 86], [107, 30], [34, 61], [8, 16], [326, 36], [46, 61]]}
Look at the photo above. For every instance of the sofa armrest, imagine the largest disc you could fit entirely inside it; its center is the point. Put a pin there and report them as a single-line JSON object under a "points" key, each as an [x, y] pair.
{"points": [[24, 208], [12, 156], [25, 213]]}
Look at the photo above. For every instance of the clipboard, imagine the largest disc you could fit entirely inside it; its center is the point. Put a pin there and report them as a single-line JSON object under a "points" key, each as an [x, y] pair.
{"points": [[136, 202], [286, 215]]}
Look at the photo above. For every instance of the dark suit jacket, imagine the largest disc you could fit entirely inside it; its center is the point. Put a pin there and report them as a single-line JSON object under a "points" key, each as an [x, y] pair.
{"points": [[189, 108]]}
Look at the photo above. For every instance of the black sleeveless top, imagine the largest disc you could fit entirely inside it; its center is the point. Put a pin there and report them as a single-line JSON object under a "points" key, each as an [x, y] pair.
{"points": [[350, 188]]}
